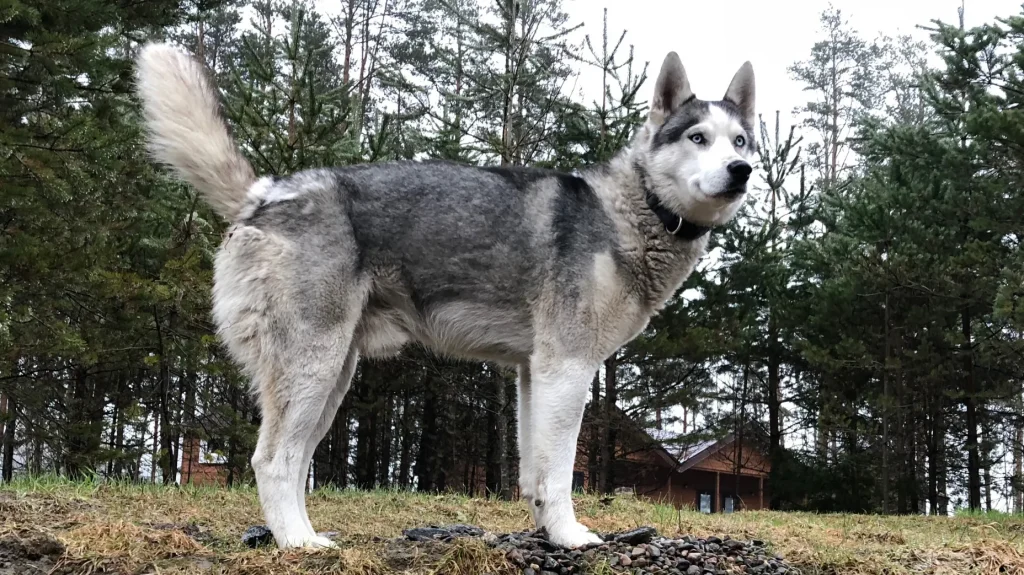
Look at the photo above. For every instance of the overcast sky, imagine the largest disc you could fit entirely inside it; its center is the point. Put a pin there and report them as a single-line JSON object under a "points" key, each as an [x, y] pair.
{"points": [[714, 37]]}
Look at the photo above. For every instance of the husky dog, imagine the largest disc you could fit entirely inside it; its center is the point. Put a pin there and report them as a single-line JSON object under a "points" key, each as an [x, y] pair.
{"points": [[544, 271]]}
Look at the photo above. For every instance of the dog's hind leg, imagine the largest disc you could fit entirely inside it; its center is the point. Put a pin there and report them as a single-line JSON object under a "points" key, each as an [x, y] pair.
{"points": [[324, 424], [288, 309], [301, 386], [558, 393]]}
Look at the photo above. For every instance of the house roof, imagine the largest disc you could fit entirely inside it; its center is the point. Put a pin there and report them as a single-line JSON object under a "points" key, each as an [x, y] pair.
{"points": [[687, 457], [703, 450], [693, 450]]}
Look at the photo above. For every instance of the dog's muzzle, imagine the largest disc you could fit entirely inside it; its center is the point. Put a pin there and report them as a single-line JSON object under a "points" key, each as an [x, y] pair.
{"points": [[739, 174]]}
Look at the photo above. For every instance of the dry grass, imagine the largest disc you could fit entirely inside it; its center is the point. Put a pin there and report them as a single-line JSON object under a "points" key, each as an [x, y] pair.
{"points": [[116, 528]]}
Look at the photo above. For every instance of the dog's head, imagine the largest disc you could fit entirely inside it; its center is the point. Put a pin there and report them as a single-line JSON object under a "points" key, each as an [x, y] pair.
{"points": [[698, 152]]}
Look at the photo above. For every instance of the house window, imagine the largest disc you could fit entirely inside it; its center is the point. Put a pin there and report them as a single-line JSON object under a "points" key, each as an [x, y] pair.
{"points": [[211, 452], [577, 481], [728, 504], [704, 502]]}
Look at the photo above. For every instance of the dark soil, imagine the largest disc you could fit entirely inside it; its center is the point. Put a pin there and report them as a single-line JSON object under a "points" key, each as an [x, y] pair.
{"points": [[29, 553]]}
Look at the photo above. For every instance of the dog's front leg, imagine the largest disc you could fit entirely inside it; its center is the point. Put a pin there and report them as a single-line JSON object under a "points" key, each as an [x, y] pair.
{"points": [[558, 392]]}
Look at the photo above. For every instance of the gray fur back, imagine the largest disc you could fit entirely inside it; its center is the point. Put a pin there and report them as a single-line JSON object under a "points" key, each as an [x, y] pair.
{"points": [[457, 255]]}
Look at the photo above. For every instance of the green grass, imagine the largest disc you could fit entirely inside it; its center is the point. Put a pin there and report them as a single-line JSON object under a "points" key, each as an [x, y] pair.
{"points": [[125, 528]]}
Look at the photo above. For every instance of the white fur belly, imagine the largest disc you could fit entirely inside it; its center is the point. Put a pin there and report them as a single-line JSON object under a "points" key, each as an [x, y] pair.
{"points": [[474, 331], [381, 334]]}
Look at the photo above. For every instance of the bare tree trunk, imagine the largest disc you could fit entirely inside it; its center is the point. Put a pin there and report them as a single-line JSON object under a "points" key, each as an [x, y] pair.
{"points": [[834, 143], [942, 488], [823, 427], [343, 450], [201, 41], [8, 420], [740, 426], [366, 428], [350, 22], [495, 456], [188, 417], [986, 463], [385, 425], [594, 449], [774, 367], [508, 94], [508, 438], [408, 435], [971, 415], [885, 410], [1018, 453], [154, 460], [610, 423], [427, 461]]}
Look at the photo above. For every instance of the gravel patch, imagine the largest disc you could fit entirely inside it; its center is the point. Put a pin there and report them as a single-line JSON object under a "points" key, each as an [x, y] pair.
{"points": [[640, 552]]}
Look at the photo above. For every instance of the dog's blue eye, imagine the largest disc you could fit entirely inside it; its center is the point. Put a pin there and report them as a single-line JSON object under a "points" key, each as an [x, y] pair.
{"points": [[740, 141], [697, 138]]}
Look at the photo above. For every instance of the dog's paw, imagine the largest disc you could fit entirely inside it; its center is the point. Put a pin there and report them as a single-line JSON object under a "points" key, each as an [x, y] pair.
{"points": [[573, 535], [322, 542], [309, 542]]}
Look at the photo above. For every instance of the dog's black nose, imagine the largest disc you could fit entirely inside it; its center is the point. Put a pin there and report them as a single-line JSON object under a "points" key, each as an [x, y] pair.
{"points": [[739, 170]]}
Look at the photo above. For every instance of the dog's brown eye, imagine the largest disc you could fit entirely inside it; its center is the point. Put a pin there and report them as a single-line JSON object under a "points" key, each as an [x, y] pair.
{"points": [[697, 138], [740, 141]]}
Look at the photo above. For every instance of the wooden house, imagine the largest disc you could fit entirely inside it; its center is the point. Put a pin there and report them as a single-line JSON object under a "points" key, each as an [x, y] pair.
{"points": [[723, 475]]}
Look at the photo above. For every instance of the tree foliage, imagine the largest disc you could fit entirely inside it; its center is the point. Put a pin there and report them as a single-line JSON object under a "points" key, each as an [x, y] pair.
{"points": [[860, 319]]}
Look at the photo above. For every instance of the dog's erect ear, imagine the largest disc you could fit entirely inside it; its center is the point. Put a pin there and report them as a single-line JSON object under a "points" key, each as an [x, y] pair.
{"points": [[741, 91], [671, 90]]}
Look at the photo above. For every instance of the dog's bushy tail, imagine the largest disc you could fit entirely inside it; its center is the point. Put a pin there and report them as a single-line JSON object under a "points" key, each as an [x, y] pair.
{"points": [[185, 128]]}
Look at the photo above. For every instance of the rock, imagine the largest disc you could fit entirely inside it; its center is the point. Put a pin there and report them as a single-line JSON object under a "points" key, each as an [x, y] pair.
{"points": [[638, 552], [516, 558], [257, 536], [529, 571], [624, 560], [693, 570], [654, 551], [636, 536], [427, 534]]}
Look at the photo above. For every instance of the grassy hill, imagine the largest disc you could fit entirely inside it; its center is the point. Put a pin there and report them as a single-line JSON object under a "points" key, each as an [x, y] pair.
{"points": [[59, 527]]}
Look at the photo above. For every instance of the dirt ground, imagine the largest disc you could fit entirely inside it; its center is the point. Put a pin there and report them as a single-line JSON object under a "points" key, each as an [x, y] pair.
{"points": [[63, 528]]}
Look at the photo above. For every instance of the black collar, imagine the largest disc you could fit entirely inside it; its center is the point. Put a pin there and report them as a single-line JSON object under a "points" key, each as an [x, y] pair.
{"points": [[674, 224]]}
